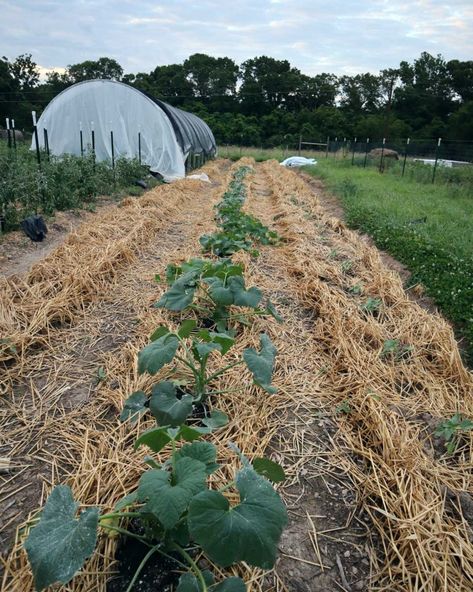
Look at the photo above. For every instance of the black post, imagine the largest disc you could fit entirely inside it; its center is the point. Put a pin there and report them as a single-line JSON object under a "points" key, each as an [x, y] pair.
{"points": [[46, 141], [35, 132], [81, 143], [113, 149], [405, 156], [436, 159], [327, 147], [13, 133], [139, 147], [353, 152], [381, 168], [93, 144], [366, 152], [336, 146], [344, 148], [300, 145]]}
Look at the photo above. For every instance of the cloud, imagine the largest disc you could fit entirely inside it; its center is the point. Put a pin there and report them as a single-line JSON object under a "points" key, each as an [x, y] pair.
{"points": [[342, 36]]}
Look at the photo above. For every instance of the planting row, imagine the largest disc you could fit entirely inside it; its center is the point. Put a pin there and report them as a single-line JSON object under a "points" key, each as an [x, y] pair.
{"points": [[179, 516]]}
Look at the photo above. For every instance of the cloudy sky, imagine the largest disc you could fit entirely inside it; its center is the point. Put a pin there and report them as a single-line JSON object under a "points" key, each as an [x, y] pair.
{"points": [[337, 36]]}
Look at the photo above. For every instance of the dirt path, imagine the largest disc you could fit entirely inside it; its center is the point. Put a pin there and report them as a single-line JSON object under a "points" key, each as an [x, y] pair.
{"points": [[352, 427]]}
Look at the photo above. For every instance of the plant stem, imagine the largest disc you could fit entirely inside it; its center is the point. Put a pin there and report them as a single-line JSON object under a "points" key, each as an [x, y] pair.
{"points": [[224, 370], [141, 566], [193, 564], [126, 533], [121, 515], [227, 486]]}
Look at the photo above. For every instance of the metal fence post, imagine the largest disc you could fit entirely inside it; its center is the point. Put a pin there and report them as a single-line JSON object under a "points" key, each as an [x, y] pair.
{"points": [[366, 152], [35, 132], [139, 147], [336, 146], [300, 145], [327, 148], [381, 164], [7, 121], [353, 152], [46, 141], [405, 156], [436, 159], [113, 149], [93, 141], [81, 139], [13, 133]]}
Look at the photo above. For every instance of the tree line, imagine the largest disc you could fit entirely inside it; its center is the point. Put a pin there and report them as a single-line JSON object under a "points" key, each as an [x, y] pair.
{"points": [[268, 102]]}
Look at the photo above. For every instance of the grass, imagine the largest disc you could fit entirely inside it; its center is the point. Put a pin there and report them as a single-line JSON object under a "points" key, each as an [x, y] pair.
{"points": [[427, 227]]}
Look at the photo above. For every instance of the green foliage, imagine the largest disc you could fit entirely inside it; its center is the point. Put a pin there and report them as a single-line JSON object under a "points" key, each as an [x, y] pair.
{"points": [[195, 347], [239, 230], [210, 288], [175, 507], [65, 182], [452, 429], [395, 350], [372, 305]]}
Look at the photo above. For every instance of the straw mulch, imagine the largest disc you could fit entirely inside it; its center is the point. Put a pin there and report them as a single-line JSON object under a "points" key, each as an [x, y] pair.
{"points": [[329, 352]]}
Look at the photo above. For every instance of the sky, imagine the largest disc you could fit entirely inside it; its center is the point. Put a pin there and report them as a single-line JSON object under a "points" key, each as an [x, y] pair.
{"points": [[336, 36]]}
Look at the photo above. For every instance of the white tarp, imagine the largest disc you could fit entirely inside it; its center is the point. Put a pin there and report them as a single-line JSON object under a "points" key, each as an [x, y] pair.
{"points": [[297, 161], [105, 106]]}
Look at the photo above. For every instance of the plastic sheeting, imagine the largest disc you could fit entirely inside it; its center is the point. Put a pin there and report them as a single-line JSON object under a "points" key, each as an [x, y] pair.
{"points": [[297, 161], [168, 135]]}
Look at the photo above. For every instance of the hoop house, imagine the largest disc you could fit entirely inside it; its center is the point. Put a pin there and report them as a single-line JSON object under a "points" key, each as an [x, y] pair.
{"points": [[164, 135]]}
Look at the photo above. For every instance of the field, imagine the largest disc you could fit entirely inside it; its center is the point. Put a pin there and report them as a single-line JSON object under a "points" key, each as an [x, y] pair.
{"points": [[364, 421]]}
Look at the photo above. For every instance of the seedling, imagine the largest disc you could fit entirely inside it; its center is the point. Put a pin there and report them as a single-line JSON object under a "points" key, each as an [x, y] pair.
{"points": [[393, 348], [356, 290], [452, 429], [210, 288], [344, 408], [346, 266], [192, 347], [372, 305], [174, 508]]}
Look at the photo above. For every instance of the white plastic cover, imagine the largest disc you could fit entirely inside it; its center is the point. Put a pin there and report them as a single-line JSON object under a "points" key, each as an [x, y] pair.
{"points": [[105, 106], [297, 161]]}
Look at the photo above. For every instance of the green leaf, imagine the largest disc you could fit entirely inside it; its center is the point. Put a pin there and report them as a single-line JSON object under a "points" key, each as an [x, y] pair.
{"points": [[269, 469], [261, 364], [155, 438], [205, 349], [224, 340], [187, 327], [127, 500], [166, 407], [160, 331], [166, 499], [205, 452], [241, 296], [273, 312], [189, 583], [219, 293], [180, 294], [233, 584], [217, 419], [59, 544], [134, 407], [247, 532], [157, 354]]}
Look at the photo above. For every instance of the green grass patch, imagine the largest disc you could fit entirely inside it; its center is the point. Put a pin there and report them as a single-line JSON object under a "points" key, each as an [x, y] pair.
{"points": [[428, 227]]}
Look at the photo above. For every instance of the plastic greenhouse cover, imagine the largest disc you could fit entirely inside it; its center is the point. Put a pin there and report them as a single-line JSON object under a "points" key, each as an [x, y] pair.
{"points": [[105, 106]]}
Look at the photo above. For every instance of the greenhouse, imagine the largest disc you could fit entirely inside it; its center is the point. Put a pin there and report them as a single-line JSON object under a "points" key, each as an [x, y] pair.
{"points": [[116, 120]]}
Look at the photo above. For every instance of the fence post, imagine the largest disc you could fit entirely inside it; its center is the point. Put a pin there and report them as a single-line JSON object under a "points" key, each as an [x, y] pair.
{"points": [[13, 133], [300, 145], [436, 159], [405, 156], [35, 132], [327, 148], [46, 141], [381, 167], [336, 146], [366, 152], [7, 121], [139, 146], [81, 139], [353, 152]]}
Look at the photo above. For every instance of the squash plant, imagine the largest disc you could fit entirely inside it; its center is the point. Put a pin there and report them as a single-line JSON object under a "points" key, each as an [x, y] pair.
{"points": [[239, 230], [192, 347], [210, 288], [174, 507]]}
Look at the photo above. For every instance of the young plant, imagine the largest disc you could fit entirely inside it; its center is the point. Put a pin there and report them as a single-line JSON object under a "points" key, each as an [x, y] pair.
{"points": [[192, 347], [174, 507], [210, 288], [372, 305], [394, 349], [452, 429]]}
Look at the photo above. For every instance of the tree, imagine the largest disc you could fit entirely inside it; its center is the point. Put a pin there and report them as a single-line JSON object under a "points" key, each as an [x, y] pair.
{"points": [[107, 68], [25, 72], [360, 93], [461, 79]]}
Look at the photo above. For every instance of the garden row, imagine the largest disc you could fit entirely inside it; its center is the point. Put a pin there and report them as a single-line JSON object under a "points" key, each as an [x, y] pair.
{"points": [[58, 183], [178, 515]]}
